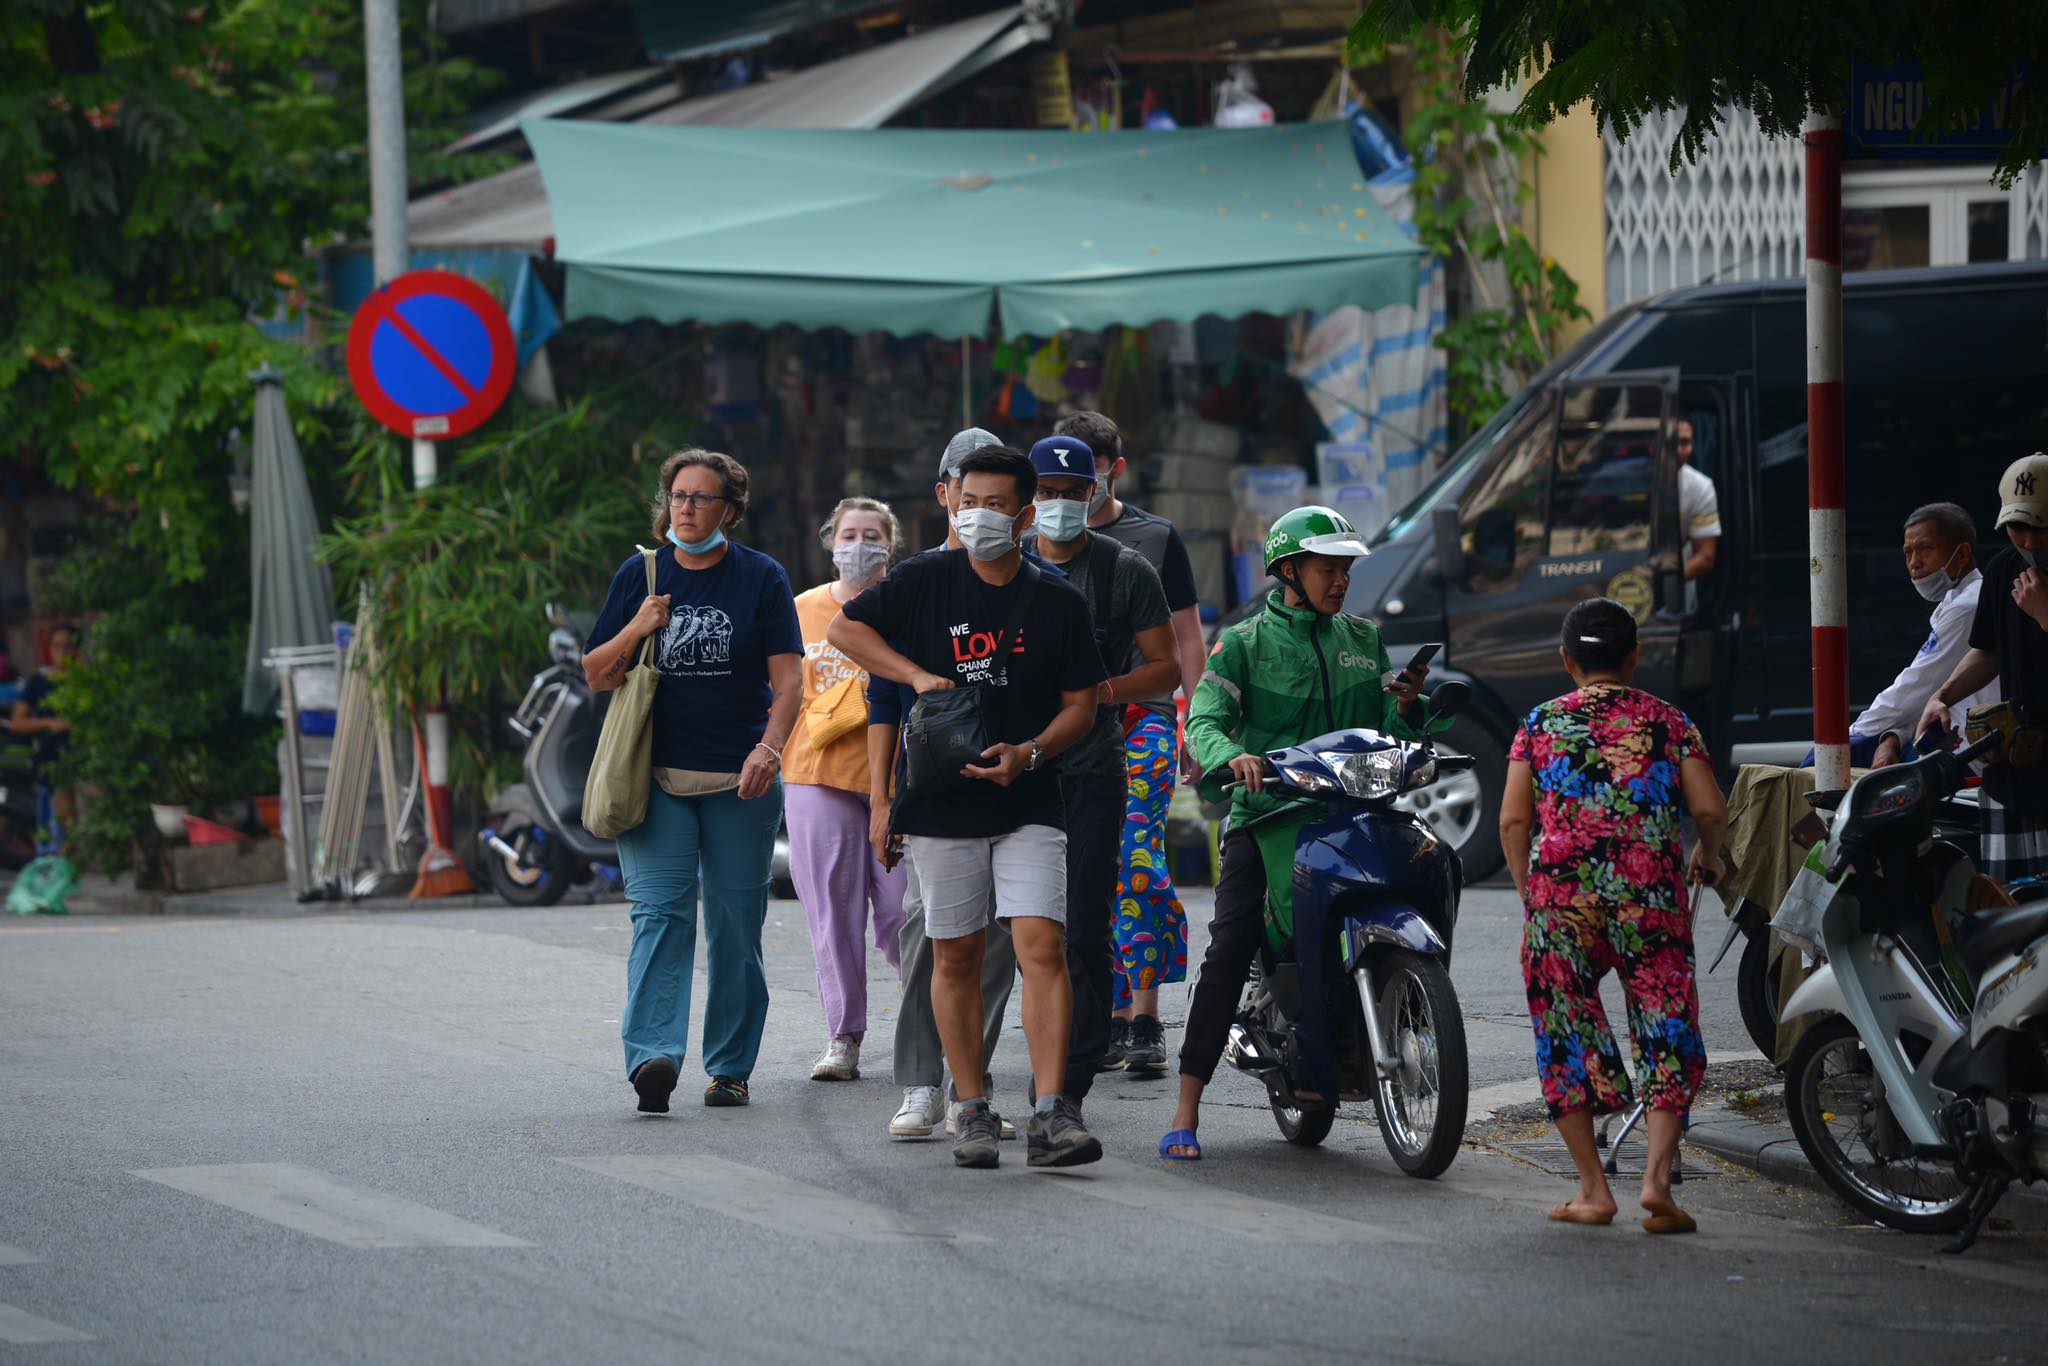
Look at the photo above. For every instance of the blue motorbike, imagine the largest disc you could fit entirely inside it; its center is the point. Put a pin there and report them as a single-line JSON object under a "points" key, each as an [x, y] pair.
{"points": [[1353, 1001]]}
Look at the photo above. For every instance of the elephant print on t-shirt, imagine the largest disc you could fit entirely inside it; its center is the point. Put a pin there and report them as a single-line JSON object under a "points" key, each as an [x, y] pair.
{"points": [[693, 635]]}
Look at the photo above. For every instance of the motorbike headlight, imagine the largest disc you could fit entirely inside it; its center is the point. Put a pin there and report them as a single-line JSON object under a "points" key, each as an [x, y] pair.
{"points": [[1369, 776]]}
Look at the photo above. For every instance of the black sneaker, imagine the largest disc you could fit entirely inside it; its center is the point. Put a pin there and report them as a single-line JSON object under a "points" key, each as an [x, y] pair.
{"points": [[1059, 1139], [981, 1136], [655, 1080], [1146, 1055], [725, 1091], [1119, 1040]]}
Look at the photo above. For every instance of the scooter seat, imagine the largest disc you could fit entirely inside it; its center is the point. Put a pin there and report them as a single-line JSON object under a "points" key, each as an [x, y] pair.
{"points": [[1990, 937]]}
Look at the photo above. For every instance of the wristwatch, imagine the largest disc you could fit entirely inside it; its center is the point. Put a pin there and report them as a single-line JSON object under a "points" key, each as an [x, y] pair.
{"points": [[1037, 755]]}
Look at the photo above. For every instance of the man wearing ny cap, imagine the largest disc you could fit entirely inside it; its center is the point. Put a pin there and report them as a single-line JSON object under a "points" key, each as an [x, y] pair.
{"points": [[2009, 642], [1134, 632]]}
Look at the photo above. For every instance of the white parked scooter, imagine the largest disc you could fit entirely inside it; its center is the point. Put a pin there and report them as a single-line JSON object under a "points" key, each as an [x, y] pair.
{"points": [[1925, 1095]]}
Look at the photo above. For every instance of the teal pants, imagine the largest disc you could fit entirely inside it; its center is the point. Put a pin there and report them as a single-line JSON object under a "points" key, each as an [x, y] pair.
{"points": [[726, 845]]}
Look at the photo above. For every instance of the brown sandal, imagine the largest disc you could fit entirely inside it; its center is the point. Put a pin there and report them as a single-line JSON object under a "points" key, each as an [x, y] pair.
{"points": [[1565, 1214]]}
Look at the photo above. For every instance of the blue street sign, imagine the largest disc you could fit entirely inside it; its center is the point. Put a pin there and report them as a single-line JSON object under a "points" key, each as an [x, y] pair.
{"points": [[1887, 104]]}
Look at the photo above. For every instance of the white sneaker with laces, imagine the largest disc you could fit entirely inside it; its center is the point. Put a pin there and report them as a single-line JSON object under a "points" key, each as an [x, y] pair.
{"points": [[919, 1114], [953, 1111], [840, 1063]]}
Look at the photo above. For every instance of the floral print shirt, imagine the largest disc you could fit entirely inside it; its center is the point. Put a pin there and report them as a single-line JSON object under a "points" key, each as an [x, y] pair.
{"points": [[1606, 761]]}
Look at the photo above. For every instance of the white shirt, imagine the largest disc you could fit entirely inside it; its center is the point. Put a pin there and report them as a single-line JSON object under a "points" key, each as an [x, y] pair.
{"points": [[1897, 709], [1699, 507], [1699, 514]]}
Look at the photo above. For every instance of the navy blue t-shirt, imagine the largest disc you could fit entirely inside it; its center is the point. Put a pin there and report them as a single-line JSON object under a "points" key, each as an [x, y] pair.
{"points": [[711, 706]]}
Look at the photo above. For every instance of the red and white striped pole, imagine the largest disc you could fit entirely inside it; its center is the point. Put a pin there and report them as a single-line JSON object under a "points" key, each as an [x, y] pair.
{"points": [[440, 872], [1826, 537]]}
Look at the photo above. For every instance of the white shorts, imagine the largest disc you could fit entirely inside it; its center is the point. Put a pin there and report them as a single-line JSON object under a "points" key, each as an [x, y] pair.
{"points": [[1026, 869]]}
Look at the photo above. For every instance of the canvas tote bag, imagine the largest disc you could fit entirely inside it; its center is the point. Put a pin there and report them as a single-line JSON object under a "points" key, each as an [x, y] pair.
{"points": [[615, 793]]}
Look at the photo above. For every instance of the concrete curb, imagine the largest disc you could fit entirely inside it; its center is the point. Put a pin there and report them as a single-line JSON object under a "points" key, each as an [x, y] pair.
{"points": [[1771, 1151]]}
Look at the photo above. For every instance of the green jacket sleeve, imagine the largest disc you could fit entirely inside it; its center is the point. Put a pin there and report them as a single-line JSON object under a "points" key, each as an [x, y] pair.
{"points": [[1218, 709]]}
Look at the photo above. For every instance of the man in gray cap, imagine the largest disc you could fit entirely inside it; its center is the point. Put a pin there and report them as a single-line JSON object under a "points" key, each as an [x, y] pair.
{"points": [[920, 1062], [2009, 642]]}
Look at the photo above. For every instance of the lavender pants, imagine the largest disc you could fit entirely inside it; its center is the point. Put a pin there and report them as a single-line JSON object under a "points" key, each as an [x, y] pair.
{"points": [[839, 881]]}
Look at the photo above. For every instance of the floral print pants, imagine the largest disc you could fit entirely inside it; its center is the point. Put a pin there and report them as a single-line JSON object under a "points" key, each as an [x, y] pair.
{"points": [[1151, 925], [1565, 952]]}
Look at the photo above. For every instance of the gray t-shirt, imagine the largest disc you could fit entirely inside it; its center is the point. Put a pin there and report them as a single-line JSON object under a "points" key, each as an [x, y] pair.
{"points": [[1124, 597]]}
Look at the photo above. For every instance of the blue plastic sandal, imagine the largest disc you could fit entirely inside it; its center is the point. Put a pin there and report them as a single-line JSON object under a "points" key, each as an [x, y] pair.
{"points": [[1180, 1138]]}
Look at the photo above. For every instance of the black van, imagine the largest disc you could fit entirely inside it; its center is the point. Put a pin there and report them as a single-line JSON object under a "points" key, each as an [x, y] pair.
{"points": [[1570, 492]]}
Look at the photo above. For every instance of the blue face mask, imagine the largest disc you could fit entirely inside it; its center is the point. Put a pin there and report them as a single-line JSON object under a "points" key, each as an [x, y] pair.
{"points": [[703, 547]]}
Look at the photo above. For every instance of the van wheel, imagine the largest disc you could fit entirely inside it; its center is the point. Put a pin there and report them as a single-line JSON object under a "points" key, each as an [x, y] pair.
{"points": [[1464, 808]]}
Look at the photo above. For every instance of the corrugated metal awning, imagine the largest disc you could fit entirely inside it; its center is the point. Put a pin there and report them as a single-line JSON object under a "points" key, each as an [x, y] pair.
{"points": [[863, 90]]}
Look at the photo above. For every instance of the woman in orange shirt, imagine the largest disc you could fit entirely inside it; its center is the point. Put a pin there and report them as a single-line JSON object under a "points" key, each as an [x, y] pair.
{"points": [[825, 793]]}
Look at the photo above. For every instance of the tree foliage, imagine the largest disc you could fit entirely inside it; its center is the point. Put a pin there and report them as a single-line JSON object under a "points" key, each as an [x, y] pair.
{"points": [[539, 507], [1634, 58], [168, 173], [1471, 184]]}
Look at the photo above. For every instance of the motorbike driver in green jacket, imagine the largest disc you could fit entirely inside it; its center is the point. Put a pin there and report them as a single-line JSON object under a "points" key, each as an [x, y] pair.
{"points": [[1297, 669]]}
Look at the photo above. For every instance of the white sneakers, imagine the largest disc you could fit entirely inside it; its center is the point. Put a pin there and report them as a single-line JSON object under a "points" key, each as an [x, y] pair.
{"points": [[919, 1115], [840, 1063], [921, 1110]]}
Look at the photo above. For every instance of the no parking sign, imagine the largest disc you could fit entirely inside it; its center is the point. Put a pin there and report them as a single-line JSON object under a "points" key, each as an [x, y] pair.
{"points": [[431, 355]]}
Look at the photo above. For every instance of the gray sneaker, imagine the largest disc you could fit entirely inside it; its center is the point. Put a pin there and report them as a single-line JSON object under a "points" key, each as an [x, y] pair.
{"points": [[1059, 1139], [1146, 1055], [981, 1138]]}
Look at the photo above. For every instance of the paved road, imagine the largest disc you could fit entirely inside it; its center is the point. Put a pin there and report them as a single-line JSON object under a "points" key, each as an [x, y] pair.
{"points": [[405, 1137]]}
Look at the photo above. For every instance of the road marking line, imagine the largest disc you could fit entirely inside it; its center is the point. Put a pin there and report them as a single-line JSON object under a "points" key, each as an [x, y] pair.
{"points": [[19, 1328], [314, 1203], [766, 1199], [1195, 1202], [16, 1256]]}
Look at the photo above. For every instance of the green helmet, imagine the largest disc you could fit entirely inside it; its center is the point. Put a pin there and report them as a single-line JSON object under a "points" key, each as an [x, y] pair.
{"points": [[1312, 531]]}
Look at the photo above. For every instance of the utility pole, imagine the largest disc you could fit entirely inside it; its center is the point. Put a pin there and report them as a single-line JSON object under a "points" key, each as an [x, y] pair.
{"points": [[1828, 595], [391, 249]]}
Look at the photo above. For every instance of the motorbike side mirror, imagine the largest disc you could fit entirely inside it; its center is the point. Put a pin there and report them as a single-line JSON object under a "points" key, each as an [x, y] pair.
{"points": [[1447, 701], [1450, 546]]}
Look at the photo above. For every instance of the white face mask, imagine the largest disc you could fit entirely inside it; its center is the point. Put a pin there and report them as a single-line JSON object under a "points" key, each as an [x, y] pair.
{"points": [[859, 562], [1061, 519], [1935, 586], [2028, 556], [986, 533], [1100, 498]]}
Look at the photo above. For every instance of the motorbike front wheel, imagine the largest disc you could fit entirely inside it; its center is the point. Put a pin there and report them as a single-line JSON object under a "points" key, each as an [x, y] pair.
{"points": [[1756, 992], [1421, 1105], [540, 874], [1836, 1105]]}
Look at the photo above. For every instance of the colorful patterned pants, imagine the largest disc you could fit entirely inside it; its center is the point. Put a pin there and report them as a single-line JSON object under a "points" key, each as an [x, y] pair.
{"points": [[1151, 926], [1565, 953]]}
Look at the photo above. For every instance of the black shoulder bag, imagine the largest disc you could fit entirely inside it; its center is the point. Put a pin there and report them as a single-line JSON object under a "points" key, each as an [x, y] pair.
{"points": [[949, 728]]}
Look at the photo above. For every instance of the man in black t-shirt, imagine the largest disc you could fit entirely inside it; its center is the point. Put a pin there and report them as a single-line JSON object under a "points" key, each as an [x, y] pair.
{"points": [[980, 617], [2009, 642], [1152, 925], [1136, 642]]}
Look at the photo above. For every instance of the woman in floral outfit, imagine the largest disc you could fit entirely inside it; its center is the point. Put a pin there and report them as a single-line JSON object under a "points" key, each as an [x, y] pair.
{"points": [[1590, 825]]}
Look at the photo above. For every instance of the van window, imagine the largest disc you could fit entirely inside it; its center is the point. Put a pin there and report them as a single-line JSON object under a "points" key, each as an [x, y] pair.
{"points": [[1605, 482], [1503, 511]]}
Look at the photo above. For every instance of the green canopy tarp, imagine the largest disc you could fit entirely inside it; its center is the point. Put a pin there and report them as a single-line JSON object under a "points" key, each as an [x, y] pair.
{"points": [[912, 230]]}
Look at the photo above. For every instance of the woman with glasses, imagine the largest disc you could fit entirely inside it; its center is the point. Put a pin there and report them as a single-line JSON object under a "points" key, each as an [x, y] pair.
{"points": [[838, 878], [730, 655]]}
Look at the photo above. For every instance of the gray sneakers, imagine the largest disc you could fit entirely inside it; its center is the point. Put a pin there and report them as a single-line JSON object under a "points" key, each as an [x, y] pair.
{"points": [[1059, 1139], [981, 1137], [1146, 1054]]}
